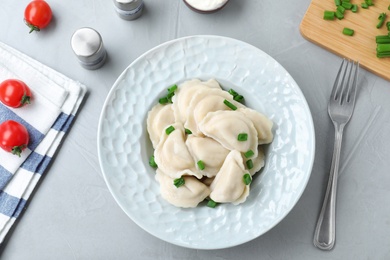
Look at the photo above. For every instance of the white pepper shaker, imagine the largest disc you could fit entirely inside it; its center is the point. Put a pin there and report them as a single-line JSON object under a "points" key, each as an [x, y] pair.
{"points": [[129, 9], [88, 46]]}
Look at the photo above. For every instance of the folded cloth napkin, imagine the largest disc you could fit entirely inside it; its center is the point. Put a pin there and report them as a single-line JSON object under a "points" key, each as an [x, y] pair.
{"points": [[55, 102]]}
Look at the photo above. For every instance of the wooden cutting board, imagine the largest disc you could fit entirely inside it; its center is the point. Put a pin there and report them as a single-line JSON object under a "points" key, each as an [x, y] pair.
{"points": [[361, 46]]}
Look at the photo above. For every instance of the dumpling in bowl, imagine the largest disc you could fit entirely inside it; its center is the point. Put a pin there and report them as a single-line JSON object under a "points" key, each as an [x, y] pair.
{"points": [[172, 155], [228, 185], [232, 129], [158, 118], [187, 196], [185, 92], [203, 102], [209, 151], [262, 124]]}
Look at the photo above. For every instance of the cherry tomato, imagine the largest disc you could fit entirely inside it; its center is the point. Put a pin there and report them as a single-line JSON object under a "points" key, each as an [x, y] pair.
{"points": [[37, 15], [14, 137], [14, 93]]}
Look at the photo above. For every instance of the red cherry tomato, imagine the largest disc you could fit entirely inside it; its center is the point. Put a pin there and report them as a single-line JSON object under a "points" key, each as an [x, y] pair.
{"points": [[14, 137], [37, 15], [14, 93]]}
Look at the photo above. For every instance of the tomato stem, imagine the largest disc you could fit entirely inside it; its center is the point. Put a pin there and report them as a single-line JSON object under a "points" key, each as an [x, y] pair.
{"points": [[25, 99], [32, 27], [17, 150]]}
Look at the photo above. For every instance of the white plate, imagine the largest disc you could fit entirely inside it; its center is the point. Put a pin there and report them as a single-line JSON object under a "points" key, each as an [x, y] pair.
{"points": [[124, 146]]}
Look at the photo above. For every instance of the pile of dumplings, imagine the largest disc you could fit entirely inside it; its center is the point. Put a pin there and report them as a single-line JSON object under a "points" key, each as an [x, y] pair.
{"points": [[206, 129]]}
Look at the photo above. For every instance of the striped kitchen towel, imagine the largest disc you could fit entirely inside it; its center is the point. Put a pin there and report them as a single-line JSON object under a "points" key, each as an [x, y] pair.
{"points": [[55, 102]]}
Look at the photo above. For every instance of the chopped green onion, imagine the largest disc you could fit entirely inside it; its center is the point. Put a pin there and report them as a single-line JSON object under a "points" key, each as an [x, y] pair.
{"points": [[388, 8], [236, 96], [200, 164], [211, 203], [247, 179], [329, 15], [187, 131], [337, 2], [163, 100], [341, 9], [239, 98], [388, 26], [169, 130], [381, 18], [382, 39], [249, 164], [346, 5], [339, 15], [383, 47], [354, 8], [348, 31], [369, 2], [249, 154], [152, 163], [172, 89], [242, 137], [364, 5], [232, 92], [179, 182], [230, 105]]}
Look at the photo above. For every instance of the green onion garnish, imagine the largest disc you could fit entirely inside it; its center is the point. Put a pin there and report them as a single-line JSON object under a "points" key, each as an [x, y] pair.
{"points": [[382, 38], [169, 130], [337, 2], [369, 2], [188, 131], [339, 15], [211, 203], [348, 31], [381, 18], [200, 164], [249, 154], [346, 5], [329, 15], [238, 98], [341, 9], [152, 163], [249, 164], [364, 5], [230, 105], [242, 137], [354, 8], [247, 179], [232, 92], [179, 182], [172, 89], [163, 100]]}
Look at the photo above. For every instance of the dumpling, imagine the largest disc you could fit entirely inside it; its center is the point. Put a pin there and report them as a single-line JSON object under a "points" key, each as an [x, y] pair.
{"points": [[172, 155], [184, 94], [187, 196], [203, 102], [158, 118], [262, 124], [226, 126], [211, 153], [228, 185]]}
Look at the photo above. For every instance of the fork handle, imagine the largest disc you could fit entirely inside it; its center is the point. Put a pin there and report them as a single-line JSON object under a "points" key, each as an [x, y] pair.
{"points": [[325, 232]]}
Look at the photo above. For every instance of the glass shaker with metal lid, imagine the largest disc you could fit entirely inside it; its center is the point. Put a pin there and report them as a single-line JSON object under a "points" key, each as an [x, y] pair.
{"points": [[88, 46], [129, 9]]}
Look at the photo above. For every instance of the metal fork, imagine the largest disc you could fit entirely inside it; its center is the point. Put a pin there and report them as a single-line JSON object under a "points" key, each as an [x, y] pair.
{"points": [[340, 109]]}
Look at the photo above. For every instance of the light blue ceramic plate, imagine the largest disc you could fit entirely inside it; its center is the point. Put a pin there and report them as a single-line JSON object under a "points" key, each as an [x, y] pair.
{"points": [[124, 146]]}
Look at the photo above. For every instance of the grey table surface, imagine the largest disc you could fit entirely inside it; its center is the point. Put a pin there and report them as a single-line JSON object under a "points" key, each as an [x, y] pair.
{"points": [[74, 216]]}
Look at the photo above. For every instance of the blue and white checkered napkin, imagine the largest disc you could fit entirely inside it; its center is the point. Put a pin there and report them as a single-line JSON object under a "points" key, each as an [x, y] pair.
{"points": [[54, 104]]}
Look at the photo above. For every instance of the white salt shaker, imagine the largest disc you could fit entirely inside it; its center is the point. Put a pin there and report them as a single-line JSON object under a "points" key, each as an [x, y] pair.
{"points": [[129, 9], [87, 44]]}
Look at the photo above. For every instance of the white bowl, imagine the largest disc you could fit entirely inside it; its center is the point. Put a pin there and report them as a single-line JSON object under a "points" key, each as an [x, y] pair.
{"points": [[124, 147]]}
